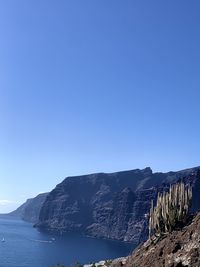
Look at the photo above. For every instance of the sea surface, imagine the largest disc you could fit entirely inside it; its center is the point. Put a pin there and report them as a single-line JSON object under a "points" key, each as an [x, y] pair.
{"points": [[25, 246]]}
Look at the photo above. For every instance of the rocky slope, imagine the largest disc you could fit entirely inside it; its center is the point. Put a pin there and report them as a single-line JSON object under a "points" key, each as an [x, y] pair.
{"points": [[110, 205], [29, 211], [178, 249]]}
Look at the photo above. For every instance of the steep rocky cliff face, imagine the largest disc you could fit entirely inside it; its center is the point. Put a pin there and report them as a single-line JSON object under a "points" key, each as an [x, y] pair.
{"points": [[29, 211], [110, 205]]}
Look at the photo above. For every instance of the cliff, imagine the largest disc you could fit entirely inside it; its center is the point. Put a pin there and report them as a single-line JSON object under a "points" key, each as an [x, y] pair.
{"points": [[110, 205], [29, 211]]}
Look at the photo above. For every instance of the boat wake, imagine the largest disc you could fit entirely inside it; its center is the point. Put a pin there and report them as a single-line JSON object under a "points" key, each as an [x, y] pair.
{"points": [[42, 241]]}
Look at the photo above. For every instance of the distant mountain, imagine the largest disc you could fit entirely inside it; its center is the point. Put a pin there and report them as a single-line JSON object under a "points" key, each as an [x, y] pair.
{"points": [[113, 206], [29, 211]]}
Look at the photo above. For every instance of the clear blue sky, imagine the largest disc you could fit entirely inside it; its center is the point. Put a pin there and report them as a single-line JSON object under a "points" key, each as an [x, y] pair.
{"points": [[96, 85]]}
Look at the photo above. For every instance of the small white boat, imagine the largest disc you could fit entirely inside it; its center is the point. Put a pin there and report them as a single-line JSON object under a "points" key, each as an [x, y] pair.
{"points": [[3, 240]]}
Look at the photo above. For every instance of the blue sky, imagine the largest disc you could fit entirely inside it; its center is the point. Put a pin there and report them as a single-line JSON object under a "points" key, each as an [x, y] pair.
{"points": [[91, 86]]}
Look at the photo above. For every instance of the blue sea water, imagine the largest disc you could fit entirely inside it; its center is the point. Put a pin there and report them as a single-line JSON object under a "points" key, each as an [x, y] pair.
{"points": [[24, 247]]}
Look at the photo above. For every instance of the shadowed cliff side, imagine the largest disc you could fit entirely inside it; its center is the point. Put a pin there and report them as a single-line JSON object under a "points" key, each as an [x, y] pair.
{"points": [[112, 205]]}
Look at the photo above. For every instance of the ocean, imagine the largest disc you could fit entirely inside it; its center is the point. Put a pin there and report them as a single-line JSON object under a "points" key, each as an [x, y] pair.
{"points": [[21, 245]]}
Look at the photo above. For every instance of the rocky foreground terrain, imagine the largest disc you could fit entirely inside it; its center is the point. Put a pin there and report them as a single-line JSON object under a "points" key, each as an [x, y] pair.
{"points": [[177, 249]]}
